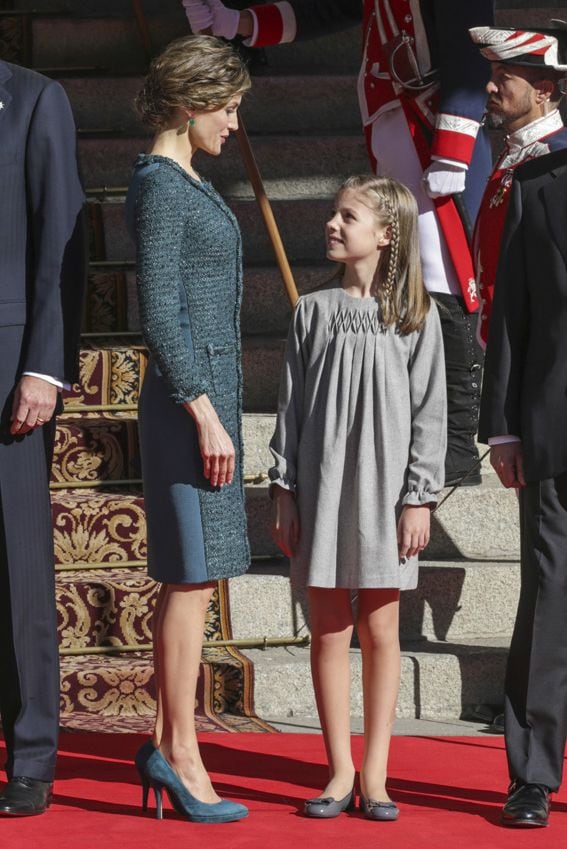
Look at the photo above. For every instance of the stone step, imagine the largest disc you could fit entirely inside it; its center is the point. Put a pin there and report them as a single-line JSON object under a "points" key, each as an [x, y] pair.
{"points": [[113, 375], [301, 224], [259, 427], [103, 446], [109, 375], [104, 525], [438, 680], [110, 607], [96, 449], [114, 43], [476, 523], [112, 298], [98, 527], [94, 8], [293, 166], [454, 601], [277, 103], [122, 687]]}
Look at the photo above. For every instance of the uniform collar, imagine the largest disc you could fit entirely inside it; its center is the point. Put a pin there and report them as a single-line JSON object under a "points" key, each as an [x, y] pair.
{"points": [[538, 129]]}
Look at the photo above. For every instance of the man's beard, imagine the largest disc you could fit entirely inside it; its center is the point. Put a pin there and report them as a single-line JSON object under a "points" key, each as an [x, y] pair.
{"points": [[495, 120], [500, 120]]}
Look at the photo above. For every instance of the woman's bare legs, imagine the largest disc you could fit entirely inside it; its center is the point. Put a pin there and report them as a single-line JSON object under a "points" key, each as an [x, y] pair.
{"points": [[178, 639], [156, 620], [331, 632], [378, 634]]}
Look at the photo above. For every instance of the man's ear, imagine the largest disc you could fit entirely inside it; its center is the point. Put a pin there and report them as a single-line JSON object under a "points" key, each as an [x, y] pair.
{"points": [[544, 90]]}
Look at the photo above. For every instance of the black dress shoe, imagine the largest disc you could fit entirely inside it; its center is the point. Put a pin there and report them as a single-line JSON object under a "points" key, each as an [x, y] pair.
{"points": [[25, 797], [527, 805]]}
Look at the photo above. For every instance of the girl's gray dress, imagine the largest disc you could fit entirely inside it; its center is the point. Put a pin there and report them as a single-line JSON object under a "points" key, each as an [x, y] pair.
{"points": [[361, 431], [189, 272]]}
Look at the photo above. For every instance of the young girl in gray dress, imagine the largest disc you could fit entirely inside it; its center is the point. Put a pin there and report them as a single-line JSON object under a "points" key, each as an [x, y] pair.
{"points": [[359, 451]]}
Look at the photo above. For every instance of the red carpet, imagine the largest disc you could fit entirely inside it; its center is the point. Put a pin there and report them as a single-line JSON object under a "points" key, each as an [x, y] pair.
{"points": [[449, 790]]}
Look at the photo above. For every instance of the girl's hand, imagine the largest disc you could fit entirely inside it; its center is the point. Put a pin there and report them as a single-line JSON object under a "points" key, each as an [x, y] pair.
{"points": [[285, 521], [413, 530], [215, 444]]}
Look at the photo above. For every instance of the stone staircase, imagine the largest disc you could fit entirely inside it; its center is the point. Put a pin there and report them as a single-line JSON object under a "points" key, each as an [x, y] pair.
{"points": [[303, 120]]}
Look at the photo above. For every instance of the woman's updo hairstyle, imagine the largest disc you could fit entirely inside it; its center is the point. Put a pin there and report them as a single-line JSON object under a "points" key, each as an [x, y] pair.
{"points": [[195, 72]]}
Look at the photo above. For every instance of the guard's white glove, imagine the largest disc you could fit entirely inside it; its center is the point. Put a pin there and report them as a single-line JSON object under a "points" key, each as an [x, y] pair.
{"points": [[444, 178], [199, 15], [225, 21]]}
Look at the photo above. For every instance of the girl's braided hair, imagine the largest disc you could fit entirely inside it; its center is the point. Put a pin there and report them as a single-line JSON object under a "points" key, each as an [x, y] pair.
{"points": [[403, 298]]}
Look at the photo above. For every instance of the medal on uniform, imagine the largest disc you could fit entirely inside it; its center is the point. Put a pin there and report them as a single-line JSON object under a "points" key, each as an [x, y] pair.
{"points": [[503, 187]]}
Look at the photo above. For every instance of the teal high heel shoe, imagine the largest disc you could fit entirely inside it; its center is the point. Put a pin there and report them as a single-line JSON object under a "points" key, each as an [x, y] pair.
{"points": [[156, 772], [141, 758]]}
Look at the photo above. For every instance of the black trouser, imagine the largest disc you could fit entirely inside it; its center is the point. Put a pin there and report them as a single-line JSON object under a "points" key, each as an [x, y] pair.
{"points": [[463, 365], [536, 675], [29, 660]]}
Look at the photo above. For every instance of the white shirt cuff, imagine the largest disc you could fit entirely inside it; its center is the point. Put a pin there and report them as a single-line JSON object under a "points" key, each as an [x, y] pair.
{"points": [[58, 383], [502, 440]]}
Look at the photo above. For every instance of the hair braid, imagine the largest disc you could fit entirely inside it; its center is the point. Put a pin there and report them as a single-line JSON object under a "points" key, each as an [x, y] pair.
{"points": [[391, 277]]}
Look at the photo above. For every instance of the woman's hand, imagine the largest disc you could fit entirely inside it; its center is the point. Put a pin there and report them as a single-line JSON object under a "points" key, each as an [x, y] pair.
{"points": [[215, 444], [413, 530], [285, 521]]}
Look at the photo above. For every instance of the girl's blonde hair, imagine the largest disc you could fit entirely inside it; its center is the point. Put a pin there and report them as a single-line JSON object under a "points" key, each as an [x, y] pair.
{"points": [[197, 72], [403, 299]]}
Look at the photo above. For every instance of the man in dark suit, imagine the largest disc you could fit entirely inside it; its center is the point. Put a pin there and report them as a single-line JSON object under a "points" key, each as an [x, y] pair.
{"points": [[41, 284], [525, 397]]}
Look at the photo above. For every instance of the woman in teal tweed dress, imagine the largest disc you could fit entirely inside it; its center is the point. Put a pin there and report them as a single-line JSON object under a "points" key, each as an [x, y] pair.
{"points": [[189, 273]]}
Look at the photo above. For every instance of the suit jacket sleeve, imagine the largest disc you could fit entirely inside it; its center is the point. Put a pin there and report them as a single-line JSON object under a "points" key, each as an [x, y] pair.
{"points": [[291, 20], [500, 411], [56, 229], [463, 74]]}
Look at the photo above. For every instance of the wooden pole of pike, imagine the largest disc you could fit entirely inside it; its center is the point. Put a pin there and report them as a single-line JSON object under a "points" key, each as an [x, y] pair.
{"points": [[265, 208]]}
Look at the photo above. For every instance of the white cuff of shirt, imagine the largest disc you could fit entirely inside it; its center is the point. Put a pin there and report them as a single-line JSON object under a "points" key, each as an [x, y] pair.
{"points": [[502, 440], [58, 383]]}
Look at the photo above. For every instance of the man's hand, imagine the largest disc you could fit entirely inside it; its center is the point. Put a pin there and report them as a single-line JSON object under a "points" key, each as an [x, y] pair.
{"points": [[413, 530], [198, 14], [285, 521], [507, 460], [34, 404], [442, 179]]}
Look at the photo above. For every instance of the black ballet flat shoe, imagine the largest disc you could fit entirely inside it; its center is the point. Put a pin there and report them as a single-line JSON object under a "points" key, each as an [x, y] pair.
{"points": [[25, 797], [381, 811], [325, 807], [527, 806]]}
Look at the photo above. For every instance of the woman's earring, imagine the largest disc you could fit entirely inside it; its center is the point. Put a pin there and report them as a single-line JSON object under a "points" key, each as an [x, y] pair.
{"points": [[191, 122]]}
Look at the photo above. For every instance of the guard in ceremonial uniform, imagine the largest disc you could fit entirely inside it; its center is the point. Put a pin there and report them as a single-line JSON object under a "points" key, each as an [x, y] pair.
{"points": [[422, 97], [529, 62]]}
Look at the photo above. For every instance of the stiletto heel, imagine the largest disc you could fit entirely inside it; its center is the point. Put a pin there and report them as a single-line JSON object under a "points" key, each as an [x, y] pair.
{"points": [[145, 792], [158, 774], [141, 758], [159, 807]]}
